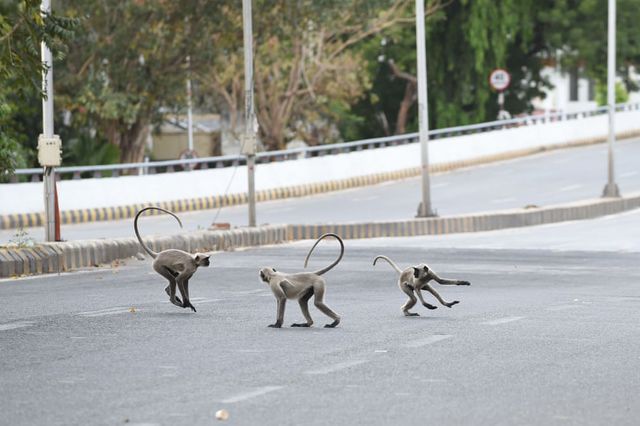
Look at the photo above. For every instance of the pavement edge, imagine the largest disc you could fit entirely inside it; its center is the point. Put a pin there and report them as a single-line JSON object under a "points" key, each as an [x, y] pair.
{"points": [[66, 256]]}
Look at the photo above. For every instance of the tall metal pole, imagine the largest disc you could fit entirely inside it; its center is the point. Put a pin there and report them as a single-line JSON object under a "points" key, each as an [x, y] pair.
{"points": [[611, 188], [49, 176], [424, 209], [189, 108], [249, 143]]}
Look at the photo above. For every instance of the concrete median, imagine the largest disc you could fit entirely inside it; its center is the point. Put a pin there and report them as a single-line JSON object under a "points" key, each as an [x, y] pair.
{"points": [[67, 256]]}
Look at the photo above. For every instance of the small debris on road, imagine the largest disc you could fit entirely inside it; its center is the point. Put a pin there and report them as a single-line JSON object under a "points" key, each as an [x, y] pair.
{"points": [[222, 415]]}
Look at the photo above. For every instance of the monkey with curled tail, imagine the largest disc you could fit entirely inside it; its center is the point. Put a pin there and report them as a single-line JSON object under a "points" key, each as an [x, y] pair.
{"points": [[176, 266], [414, 279], [302, 286]]}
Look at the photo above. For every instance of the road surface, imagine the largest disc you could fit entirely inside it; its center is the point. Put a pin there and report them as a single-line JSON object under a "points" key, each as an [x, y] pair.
{"points": [[544, 179], [546, 334]]}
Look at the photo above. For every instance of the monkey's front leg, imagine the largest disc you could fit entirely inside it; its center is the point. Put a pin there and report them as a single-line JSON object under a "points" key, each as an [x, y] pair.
{"points": [[437, 296], [280, 318], [304, 307], [425, 304]]}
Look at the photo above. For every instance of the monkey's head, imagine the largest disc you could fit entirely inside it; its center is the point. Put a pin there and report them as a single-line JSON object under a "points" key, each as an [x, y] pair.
{"points": [[202, 259], [421, 272], [266, 274]]}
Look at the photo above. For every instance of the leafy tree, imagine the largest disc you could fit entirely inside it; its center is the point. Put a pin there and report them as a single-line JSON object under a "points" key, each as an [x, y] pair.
{"points": [[22, 29], [307, 72], [128, 62]]}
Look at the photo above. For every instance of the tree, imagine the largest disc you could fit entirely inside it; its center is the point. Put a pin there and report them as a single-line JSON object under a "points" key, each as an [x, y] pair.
{"points": [[127, 65], [22, 29], [306, 67]]}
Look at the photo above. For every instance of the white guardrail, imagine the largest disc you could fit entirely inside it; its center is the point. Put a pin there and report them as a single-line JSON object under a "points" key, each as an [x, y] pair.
{"points": [[154, 167]]}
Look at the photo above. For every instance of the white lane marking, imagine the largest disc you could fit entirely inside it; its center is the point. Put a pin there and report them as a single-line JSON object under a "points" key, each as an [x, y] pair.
{"points": [[503, 200], [502, 320], [628, 174], [570, 188], [336, 367], [380, 351], [251, 394], [103, 312], [14, 325], [563, 307], [427, 341]]}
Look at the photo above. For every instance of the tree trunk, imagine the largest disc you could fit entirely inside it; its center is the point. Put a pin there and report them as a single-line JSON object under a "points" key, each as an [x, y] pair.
{"points": [[132, 142], [403, 113]]}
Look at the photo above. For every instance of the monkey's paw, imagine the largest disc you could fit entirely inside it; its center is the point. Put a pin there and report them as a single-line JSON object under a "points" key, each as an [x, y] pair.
{"points": [[411, 314], [428, 306], [276, 325], [455, 302], [302, 324], [464, 283]]}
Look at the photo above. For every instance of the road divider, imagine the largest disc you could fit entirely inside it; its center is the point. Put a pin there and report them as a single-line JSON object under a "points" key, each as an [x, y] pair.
{"points": [[58, 257]]}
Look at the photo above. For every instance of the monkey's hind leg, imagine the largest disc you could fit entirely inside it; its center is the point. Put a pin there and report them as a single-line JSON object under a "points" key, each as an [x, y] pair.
{"points": [[437, 296], [304, 307], [318, 302], [425, 304], [183, 285], [410, 303], [171, 288]]}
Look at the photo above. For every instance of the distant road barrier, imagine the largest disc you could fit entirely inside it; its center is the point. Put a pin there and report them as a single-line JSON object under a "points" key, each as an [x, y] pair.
{"points": [[350, 165], [169, 166]]}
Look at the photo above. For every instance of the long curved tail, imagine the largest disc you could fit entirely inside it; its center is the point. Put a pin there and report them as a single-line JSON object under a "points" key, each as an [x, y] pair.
{"points": [[391, 262], [328, 268], [152, 253]]}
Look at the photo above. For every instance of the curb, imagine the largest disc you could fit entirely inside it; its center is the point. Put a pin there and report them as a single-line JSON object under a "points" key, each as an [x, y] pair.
{"points": [[61, 257], [25, 220]]}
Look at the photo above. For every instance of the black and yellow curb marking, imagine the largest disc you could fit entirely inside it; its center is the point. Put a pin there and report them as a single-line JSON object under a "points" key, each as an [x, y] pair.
{"points": [[56, 257], [26, 220]]}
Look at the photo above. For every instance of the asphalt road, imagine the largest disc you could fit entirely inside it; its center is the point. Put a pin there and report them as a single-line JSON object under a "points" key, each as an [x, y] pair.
{"points": [[544, 179], [541, 337]]}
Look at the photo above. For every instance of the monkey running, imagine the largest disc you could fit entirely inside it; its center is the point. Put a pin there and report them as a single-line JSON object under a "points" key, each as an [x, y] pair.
{"points": [[414, 279], [176, 266], [302, 286]]}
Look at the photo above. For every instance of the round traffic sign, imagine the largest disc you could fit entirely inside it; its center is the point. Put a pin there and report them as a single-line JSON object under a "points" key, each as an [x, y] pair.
{"points": [[499, 79]]}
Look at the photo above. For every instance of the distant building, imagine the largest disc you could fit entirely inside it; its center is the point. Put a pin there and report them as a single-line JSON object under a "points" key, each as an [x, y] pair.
{"points": [[171, 139]]}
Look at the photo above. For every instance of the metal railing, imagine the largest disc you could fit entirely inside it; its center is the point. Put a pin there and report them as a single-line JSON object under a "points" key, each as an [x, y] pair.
{"points": [[169, 166]]}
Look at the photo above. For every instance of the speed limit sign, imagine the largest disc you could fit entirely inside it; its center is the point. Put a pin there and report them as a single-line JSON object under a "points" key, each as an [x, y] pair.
{"points": [[499, 79]]}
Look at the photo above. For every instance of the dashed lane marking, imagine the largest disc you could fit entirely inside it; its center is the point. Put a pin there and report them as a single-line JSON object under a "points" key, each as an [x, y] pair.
{"points": [[502, 320], [251, 394], [15, 325], [426, 341], [570, 188], [103, 312]]}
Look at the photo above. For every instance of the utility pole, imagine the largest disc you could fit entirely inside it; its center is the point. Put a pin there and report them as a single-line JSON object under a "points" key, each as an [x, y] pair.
{"points": [[424, 209], [189, 108], [249, 142], [49, 145], [611, 188]]}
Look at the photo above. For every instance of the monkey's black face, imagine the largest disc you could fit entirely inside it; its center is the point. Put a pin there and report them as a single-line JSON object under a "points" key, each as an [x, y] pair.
{"points": [[421, 272], [202, 260], [266, 274]]}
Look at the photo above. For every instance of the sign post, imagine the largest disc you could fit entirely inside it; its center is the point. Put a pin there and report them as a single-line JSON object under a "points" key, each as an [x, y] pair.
{"points": [[499, 80]]}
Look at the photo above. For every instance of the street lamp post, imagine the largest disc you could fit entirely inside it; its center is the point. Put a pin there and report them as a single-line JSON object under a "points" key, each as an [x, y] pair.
{"points": [[424, 209], [611, 188], [249, 142], [48, 143]]}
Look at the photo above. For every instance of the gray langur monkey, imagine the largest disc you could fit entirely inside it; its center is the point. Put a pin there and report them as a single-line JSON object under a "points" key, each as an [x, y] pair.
{"points": [[176, 266], [302, 286], [414, 279]]}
